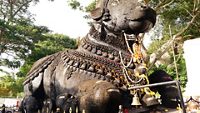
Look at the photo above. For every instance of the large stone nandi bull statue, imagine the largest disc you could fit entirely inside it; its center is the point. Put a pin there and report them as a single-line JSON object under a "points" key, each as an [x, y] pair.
{"points": [[95, 76]]}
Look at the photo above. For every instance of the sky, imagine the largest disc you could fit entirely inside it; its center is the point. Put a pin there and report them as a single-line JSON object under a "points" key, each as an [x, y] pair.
{"points": [[60, 18]]}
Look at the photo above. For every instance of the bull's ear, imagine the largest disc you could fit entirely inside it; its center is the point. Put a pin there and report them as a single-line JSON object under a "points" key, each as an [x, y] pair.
{"points": [[97, 13]]}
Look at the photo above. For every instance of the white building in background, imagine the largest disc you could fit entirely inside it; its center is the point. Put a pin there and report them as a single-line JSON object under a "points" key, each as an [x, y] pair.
{"points": [[192, 58]]}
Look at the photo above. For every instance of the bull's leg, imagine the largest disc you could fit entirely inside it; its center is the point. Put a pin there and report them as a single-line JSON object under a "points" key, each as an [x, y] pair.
{"points": [[66, 103], [21, 107], [99, 97], [31, 104], [47, 106]]}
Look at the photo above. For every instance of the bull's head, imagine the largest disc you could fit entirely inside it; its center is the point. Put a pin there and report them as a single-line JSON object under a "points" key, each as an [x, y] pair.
{"points": [[129, 16]]}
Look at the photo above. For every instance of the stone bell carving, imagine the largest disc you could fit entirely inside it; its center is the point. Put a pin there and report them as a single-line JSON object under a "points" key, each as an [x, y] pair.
{"points": [[136, 100], [150, 100]]}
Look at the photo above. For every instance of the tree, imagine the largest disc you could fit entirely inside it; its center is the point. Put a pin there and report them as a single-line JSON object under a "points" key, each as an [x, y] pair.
{"points": [[10, 87], [181, 21], [17, 31], [24, 42], [185, 18], [17, 41], [75, 4]]}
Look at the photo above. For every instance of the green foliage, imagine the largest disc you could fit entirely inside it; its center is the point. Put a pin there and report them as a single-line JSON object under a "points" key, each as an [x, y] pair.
{"points": [[171, 70], [10, 87], [75, 4], [18, 38], [177, 14], [23, 41], [17, 31], [91, 6], [156, 43], [50, 44]]}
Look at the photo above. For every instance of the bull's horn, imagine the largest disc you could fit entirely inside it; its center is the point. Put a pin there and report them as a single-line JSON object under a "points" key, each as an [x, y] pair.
{"points": [[98, 12]]}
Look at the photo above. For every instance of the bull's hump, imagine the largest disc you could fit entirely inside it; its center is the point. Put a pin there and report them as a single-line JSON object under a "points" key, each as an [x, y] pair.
{"points": [[40, 65]]}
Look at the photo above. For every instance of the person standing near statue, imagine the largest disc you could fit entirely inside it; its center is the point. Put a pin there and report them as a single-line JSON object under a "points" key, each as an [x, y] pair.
{"points": [[3, 109]]}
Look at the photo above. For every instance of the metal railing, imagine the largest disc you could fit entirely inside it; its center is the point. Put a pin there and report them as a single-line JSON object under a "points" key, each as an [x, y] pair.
{"points": [[165, 83]]}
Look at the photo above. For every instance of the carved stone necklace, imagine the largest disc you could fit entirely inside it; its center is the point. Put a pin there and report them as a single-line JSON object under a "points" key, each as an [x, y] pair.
{"points": [[91, 44], [98, 58], [101, 67]]}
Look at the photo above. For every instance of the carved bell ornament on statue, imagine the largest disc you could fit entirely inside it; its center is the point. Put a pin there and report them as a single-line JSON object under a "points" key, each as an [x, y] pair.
{"points": [[150, 100], [136, 100]]}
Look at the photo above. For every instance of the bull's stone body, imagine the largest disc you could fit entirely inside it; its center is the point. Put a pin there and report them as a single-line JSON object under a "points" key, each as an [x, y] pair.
{"points": [[91, 76], [91, 73]]}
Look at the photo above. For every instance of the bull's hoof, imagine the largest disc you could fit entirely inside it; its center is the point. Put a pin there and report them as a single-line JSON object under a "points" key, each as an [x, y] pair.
{"points": [[67, 103]]}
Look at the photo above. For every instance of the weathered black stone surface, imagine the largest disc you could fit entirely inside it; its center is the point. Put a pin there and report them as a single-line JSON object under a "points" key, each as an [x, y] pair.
{"points": [[91, 74]]}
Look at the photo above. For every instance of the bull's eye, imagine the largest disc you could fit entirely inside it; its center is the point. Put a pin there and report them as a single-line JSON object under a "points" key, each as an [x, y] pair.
{"points": [[115, 2]]}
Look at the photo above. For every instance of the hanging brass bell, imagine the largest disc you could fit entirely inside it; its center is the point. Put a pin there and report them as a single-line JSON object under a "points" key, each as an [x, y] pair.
{"points": [[150, 100], [136, 100]]}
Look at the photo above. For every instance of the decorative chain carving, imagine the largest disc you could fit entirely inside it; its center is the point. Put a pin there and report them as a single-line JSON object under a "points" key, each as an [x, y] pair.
{"points": [[135, 78]]}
